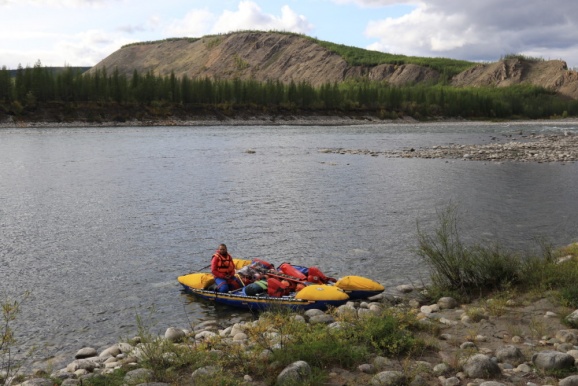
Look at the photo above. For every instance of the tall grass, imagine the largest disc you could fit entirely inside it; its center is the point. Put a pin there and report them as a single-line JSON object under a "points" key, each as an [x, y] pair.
{"points": [[10, 309], [468, 271]]}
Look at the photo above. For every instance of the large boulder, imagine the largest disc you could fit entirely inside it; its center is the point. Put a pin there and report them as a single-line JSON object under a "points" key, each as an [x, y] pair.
{"points": [[388, 378], [295, 373], [572, 319], [138, 376], [481, 366], [174, 334], [553, 360], [510, 354], [86, 352], [447, 303], [572, 380], [204, 373]]}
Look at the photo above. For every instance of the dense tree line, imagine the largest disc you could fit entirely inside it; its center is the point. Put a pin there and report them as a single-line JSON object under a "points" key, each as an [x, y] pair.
{"points": [[33, 86]]}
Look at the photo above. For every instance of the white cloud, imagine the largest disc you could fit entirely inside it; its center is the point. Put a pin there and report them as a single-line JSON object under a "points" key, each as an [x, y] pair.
{"points": [[89, 47], [376, 3], [250, 17], [479, 30], [82, 49], [195, 23], [472, 30]]}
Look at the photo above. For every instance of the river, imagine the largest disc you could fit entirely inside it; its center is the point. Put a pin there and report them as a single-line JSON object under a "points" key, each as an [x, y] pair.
{"points": [[97, 223]]}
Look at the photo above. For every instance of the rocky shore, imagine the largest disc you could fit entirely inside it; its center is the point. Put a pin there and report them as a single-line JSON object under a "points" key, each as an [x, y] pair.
{"points": [[521, 148], [520, 341]]}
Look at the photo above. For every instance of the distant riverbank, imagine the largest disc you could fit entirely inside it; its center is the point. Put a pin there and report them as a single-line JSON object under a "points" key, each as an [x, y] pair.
{"points": [[268, 120], [263, 120]]}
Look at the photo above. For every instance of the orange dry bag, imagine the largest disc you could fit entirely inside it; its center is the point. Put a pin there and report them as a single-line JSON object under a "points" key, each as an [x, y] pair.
{"points": [[288, 269], [276, 288]]}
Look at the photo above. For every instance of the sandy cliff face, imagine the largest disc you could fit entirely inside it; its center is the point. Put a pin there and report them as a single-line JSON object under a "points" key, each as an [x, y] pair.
{"points": [[254, 55], [273, 56], [259, 56], [552, 74]]}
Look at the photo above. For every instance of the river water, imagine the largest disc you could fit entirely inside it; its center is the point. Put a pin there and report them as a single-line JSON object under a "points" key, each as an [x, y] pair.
{"points": [[97, 223]]}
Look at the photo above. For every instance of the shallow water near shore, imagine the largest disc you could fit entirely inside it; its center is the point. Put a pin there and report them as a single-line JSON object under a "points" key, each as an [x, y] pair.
{"points": [[97, 223]]}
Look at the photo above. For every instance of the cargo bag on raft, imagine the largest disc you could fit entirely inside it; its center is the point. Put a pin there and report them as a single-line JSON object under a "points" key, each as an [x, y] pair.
{"points": [[277, 288], [290, 270], [255, 288], [311, 274], [315, 275], [261, 264]]}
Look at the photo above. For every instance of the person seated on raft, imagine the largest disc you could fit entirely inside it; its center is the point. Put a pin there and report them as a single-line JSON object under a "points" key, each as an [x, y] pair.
{"points": [[223, 269]]}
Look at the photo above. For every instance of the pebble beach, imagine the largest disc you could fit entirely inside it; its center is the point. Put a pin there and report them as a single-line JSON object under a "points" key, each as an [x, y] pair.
{"points": [[522, 148], [475, 346]]}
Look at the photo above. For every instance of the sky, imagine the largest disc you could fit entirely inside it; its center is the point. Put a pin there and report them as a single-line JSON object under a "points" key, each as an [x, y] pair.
{"points": [[83, 32]]}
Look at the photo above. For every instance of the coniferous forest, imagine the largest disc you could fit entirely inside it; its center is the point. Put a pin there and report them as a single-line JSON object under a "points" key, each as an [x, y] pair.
{"points": [[40, 93]]}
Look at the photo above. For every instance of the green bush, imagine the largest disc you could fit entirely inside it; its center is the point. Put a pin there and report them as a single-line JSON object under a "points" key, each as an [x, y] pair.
{"points": [[314, 343], [10, 309], [546, 273], [321, 347], [388, 335], [466, 270], [569, 296]]}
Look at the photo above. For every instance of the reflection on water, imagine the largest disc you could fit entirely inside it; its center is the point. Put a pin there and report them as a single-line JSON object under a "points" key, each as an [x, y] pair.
{"points": [[98, 223]]}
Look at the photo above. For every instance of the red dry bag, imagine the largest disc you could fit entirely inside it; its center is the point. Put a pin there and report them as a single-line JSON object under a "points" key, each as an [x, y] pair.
{"points": [[276, 288], [316, 276], [288, 269]]}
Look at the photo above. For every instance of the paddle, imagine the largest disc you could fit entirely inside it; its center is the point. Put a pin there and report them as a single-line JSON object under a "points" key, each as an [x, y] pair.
{"points": [[199, 270]]}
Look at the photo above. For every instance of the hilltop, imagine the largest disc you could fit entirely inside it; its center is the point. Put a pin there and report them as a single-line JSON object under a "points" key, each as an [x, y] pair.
{"points": [[287, 57], [282, 78]]}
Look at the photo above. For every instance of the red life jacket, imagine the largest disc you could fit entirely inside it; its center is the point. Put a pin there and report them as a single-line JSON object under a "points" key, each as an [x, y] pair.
{"points": [[222, 266]]}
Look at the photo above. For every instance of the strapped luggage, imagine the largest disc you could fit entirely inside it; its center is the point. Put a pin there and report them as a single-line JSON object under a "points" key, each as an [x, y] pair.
{"points": [[290, 270], [276, 288], [316, 276], [253, 289]]}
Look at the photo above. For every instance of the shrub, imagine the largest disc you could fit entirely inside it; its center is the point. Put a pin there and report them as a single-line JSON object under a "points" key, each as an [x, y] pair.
{"points": [[569, 296], [387, 334], [545, 273], [10, 311], [314, 343], [461, 269]]}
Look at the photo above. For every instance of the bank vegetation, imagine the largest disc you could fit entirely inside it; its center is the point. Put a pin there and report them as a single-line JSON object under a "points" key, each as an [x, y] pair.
{"points": [[39, 94]]}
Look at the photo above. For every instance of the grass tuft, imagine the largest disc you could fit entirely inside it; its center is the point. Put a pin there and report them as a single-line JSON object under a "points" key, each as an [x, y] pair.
{"points": [[469, 271], [464, 271]]}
